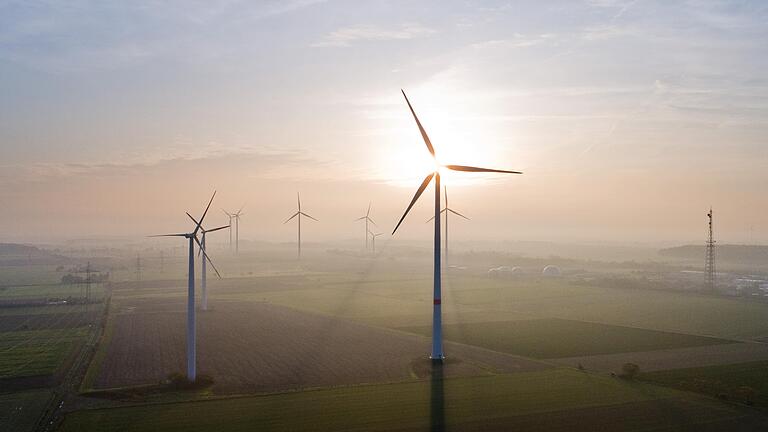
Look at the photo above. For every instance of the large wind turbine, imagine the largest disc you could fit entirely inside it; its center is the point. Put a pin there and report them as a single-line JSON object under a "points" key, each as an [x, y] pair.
{"points": [[437, 336], [299, 214], [447, 210], [191, 337], [367, 219], [203, 267]]}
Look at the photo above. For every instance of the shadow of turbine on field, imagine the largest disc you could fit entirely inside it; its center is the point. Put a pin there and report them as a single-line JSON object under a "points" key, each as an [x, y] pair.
{"points": [[437, 399]]}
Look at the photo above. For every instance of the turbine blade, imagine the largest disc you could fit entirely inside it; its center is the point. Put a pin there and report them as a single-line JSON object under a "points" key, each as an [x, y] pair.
{"points": [[369, 209], [194, 220], [430, 219], [169, 235], [216, 229], [202, 249], [226, 213], [421, 128], [423, 186], [241, 208], [476, 169], [360, 218], [289, 219], [298, 200], [304, 214], [371, 221], [457, 213], [204, 213]]}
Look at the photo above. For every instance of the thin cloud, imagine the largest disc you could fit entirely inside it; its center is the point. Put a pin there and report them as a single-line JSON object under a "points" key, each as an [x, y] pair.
{"points": [[348, 35]]}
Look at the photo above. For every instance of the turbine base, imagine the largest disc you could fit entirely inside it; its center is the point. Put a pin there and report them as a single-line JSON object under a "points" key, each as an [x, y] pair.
{"points": [[438, 359]]}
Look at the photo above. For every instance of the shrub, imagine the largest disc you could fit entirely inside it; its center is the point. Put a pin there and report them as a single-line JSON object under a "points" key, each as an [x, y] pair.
{"points": [[629, 370]]}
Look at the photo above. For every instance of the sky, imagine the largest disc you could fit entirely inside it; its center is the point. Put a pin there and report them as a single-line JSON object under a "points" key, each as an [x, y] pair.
{"points": [[629, 118]]}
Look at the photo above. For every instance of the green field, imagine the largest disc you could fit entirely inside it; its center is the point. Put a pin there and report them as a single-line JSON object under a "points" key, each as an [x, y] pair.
{"points": [[26, 274], [742, 382], [48, 291], [38, 352], [20, 411], [556, 338], [389, 407], [383, 299]]}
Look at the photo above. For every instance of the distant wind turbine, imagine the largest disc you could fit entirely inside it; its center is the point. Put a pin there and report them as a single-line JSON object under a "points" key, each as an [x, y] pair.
{"points": [[367, 219], [447, 210], [299, 214], [191, 336], [437, 336], [229, 215], [203, 267], [373, 239], [236, 217]]}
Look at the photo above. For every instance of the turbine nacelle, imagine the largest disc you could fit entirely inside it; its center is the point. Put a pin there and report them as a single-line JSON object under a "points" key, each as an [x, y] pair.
{"points": [[436, 173]]}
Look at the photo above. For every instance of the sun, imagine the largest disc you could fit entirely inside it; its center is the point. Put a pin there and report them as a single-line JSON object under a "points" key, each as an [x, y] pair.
{"points": [[457, 137]]}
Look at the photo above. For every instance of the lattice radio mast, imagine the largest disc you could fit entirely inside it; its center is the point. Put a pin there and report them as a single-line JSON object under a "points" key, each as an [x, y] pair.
{"points": [[709, 264]]}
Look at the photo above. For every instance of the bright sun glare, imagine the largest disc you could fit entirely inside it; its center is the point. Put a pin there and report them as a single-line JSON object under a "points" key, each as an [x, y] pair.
{"points": [[458, 138]]}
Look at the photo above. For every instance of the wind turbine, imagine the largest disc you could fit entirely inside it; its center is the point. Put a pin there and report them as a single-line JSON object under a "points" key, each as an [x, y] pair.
{"points": [[191, 337], [203, 267], [367, 219], [447, 210], [437, 334], [230, 227], [373, 238], [299, 214], [236, 217]]}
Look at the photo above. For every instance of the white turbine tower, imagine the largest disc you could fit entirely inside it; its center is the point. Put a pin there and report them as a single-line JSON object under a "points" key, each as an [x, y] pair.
{"points": [[191, 336], [367, 219], [230, 216], [299, 214], [203, 267], [446, 210], [437, 334], [236, 217]]}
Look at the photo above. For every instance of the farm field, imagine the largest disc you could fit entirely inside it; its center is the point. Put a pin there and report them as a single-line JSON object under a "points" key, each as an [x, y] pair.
{"points": [[55, 319], [676, 358], [380, 298], [26, 274], [571, 400], [742, 382], [37, 352], [556, 338], [20, 411], [260, 347]]}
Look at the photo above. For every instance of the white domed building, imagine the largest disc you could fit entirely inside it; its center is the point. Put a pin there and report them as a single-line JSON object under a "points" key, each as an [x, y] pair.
{"points": [[551, 271]]}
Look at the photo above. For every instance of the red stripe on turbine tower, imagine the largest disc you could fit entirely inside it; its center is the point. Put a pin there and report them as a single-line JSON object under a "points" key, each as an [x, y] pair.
{"points": [[437, 301]]}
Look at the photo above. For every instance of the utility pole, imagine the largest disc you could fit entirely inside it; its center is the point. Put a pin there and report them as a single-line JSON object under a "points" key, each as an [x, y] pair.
{"points": [[709, 263]]}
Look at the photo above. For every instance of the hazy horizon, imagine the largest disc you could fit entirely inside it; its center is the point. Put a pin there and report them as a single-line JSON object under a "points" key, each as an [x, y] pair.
{"points": [[629, 119]]}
